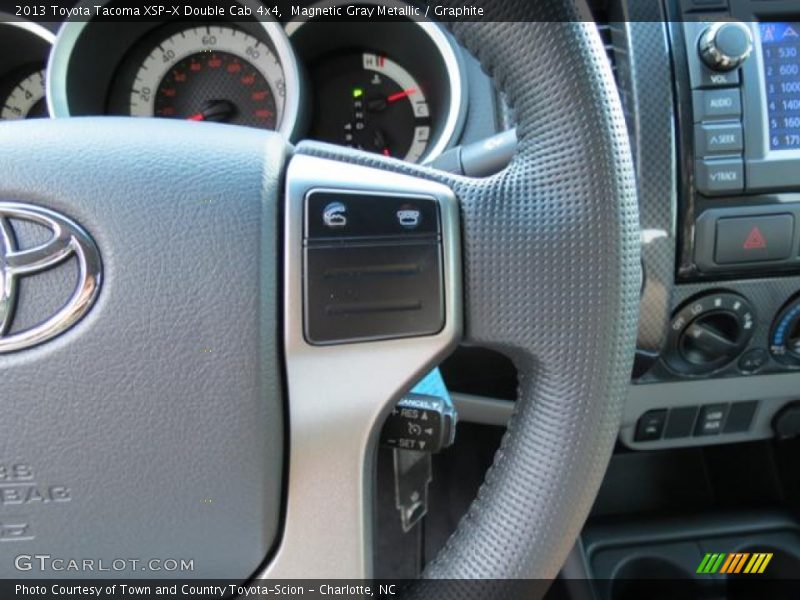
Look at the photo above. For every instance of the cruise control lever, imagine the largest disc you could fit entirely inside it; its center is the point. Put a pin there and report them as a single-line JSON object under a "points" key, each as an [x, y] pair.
{"points": [[420, 422], [418, 426]]}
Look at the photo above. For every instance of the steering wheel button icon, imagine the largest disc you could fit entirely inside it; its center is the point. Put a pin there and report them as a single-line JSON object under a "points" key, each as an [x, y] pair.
{"points": [[409, 216], [335, 215]]}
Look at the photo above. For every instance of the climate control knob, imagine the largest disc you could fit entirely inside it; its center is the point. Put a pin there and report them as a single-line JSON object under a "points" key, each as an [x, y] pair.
{"points": [[709, 332], [726, 45], [784, 339]]}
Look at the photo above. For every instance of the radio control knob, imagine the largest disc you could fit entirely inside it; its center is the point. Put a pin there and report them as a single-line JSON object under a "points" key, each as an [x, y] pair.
{"points": [[726, 45]]}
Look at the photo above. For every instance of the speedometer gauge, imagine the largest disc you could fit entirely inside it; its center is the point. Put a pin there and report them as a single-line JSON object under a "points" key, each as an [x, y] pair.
{"points": [[211, 73], [368, 101], [26, 100]]}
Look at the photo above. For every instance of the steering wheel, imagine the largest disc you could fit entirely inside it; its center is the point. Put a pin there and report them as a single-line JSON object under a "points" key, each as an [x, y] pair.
{"points": [[187, 417]]}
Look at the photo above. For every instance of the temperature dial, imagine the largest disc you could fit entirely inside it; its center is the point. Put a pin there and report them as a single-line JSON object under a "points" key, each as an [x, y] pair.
{"points": [[709, 332], [726, 45], [785, 336]]}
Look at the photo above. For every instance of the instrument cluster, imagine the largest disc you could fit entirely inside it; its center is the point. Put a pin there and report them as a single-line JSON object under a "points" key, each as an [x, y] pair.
{"points": [[391, 87]]}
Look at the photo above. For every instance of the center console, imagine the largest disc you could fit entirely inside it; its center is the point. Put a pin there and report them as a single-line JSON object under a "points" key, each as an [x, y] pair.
{"points": [[711, 89], [739, 107]]}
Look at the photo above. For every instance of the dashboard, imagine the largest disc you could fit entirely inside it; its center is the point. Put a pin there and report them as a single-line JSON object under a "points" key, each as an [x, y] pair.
{"points": [[396, 87]]}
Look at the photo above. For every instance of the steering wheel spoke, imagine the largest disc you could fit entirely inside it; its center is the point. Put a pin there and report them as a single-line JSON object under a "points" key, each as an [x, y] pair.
{"points": [[339, 393]]}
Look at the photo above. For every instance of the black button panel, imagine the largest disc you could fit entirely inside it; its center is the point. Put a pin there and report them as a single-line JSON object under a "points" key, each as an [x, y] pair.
{"points": [[695, 421], [337, 215], [373, 267]]}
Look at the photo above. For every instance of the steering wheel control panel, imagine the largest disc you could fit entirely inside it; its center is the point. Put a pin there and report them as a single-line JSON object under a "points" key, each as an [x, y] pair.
{"points": [[373, 267], [738, 72]]}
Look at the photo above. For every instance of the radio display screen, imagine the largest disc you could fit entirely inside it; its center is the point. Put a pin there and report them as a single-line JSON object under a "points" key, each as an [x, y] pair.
{"points": [[780, 45]]}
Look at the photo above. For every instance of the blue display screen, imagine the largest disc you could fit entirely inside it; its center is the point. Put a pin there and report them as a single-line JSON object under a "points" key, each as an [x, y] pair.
{"points": [[780, 44]]}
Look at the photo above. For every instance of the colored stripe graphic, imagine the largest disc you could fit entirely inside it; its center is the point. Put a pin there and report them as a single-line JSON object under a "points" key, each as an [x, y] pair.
{"points": [[734, 562]]}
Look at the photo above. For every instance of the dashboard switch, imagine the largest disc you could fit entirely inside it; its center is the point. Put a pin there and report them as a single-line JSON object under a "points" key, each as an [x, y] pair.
{"points": [[754, 239], [650, 426], [680, 422], [753, 361], [740, 417], [711, 419], [719, 176], [711, 139], [711, 105]]}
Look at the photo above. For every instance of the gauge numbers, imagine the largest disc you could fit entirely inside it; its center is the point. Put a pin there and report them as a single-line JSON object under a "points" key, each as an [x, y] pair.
{"points": [[27, 99], [215, 73]]}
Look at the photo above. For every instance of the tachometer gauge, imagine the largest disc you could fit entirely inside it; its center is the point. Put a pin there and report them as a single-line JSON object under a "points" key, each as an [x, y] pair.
{"points": [[211, 73], [27, 99], [368, 101]]}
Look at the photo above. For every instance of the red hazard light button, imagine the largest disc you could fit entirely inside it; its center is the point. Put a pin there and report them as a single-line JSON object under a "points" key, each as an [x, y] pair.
{"points": [[754, 239]]}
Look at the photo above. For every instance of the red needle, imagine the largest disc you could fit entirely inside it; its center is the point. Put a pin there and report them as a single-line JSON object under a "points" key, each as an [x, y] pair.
{"points": [[196, 117], [386, 152], [401, 95]]}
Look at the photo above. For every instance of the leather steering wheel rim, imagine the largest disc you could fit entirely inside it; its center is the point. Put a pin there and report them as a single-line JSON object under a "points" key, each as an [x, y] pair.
{"points": [[552, 275]]}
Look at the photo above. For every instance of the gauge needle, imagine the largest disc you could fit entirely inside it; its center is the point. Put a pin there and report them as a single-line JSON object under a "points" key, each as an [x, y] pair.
{"points": [[379, 104], [215, 110], [401, 95]]}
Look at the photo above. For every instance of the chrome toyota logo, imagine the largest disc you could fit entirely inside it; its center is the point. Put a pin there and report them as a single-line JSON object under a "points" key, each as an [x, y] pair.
{"points": [[68, 240]]}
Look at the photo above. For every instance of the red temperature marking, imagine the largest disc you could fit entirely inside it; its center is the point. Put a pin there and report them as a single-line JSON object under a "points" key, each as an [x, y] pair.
{"points": [[234, 68], [169, 92], [248, 80], [215, 62], [259, 95], [180, 77], [195, 66], [263, 113]]}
